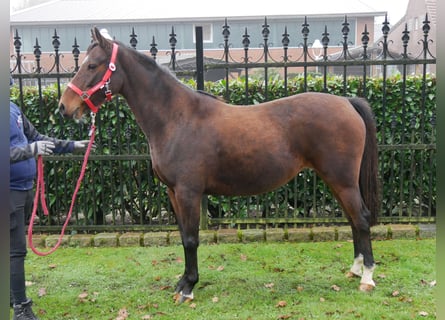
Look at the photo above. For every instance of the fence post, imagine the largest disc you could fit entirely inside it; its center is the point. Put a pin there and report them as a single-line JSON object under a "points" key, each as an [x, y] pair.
{"points": [[200, 86], [199, 58]]}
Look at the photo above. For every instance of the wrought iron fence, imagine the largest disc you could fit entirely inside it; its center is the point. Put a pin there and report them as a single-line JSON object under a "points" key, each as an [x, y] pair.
{"points": [[120, 191]]}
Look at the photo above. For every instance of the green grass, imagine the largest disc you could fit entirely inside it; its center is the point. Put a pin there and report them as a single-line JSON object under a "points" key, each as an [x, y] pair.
{"points": [[237, 281]]}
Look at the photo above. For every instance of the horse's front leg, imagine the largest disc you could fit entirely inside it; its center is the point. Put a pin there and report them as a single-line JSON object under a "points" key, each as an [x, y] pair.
{"points": [[187, 209]]}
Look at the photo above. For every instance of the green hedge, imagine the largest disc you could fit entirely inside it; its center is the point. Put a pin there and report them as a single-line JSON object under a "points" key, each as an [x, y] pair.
{"points": [[112, 186]]}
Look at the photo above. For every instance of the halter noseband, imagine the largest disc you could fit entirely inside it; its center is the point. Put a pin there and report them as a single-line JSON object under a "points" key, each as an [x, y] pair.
{"points": [[105, 82]]}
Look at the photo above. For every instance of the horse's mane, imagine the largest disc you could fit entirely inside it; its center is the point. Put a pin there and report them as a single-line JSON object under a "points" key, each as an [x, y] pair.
{"points": [[151, 64], [210, 95]]}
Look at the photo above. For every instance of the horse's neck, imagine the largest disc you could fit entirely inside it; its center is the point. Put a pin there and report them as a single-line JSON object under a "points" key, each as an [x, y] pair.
{"points": [[156, 99]]}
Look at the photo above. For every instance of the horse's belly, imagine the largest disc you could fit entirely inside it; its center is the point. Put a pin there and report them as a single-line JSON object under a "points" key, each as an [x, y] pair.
{"points": [[254, 178]]}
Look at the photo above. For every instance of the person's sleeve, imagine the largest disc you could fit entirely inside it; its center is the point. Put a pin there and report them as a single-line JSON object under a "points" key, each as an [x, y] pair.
{"points": [[62, 146], [20, 153]]}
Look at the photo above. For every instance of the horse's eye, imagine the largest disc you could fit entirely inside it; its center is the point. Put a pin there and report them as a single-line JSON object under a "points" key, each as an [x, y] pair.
{"points": [[92, 66]]}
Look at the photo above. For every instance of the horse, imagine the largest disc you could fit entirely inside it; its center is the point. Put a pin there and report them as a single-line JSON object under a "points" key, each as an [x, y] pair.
{"points": [[200, 145]]}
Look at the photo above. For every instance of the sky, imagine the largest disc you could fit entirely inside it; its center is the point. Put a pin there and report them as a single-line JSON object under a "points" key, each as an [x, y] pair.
{"points": [[395, 8]]}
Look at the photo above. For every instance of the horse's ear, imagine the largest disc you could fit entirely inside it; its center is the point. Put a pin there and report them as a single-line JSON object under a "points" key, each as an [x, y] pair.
{"points": [[100, 38], [95, 34]]}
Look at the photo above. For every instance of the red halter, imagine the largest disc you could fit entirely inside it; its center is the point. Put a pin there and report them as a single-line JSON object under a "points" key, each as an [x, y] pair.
{"points": [[86, 95]]}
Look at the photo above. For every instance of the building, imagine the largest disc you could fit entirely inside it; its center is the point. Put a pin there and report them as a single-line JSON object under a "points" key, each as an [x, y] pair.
{"points": [[71, 20], [414, 21]]}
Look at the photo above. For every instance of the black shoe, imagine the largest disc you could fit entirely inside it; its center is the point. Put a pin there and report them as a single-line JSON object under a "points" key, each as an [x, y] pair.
{"points": [[23, 311]]}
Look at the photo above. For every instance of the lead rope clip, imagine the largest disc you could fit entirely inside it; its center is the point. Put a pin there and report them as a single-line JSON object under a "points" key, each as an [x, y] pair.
{"points": [[93, 123]]}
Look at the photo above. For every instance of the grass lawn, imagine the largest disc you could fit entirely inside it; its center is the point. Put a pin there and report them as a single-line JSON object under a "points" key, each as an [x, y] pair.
{"points": [[237, 281]]}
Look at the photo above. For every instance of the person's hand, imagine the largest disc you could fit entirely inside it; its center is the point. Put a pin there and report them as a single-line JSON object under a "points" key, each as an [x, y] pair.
{"points": [[42, 147], [82, 145]]}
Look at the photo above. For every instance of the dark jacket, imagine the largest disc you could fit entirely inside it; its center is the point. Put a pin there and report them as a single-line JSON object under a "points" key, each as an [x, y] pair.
{"points": [[22, 161]]}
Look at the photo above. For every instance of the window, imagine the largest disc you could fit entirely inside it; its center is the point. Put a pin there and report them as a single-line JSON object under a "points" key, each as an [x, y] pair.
{"points": [[416, 23], [207, 32], [410, 24]]}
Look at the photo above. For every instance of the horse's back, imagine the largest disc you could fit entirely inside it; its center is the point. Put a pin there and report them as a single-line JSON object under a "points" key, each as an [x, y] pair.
{"points": [[316, 119]]}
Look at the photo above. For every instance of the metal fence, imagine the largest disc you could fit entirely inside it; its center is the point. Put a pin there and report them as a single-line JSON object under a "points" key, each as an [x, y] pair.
{"points": [[120, 191]]}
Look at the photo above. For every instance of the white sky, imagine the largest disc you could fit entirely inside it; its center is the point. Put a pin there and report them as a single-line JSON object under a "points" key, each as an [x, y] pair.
{"points": [[395, 8]]}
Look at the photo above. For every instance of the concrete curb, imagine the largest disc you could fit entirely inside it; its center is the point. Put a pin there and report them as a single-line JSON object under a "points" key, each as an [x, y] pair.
{"points": [[315, 234]]}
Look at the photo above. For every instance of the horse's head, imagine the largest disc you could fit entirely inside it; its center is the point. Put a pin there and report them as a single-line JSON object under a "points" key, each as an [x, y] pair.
{"points": [[93, 82]]}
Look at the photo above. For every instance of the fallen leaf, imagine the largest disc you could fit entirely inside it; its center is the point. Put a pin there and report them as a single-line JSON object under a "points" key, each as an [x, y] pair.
{"points": [[433, 283], [192, 305], [122, 314], [146, 317], [83, 295], [215, 299], [281, 304], [285, 316], [243, 257], [164, 288], [29, 283], [395, 293], [335, 287], [405, 299], [300, 288], [220, 268], [52, 266], [382, 276], [423, 313], [42, 292], [322, 299], [269, 285]]}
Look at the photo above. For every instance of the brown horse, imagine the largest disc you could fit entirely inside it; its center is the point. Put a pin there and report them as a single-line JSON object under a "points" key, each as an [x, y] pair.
{"points": [[201, 145]]}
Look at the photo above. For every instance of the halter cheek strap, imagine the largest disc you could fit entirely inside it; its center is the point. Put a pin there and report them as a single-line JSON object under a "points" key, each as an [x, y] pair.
{"points": [[105, 82]]}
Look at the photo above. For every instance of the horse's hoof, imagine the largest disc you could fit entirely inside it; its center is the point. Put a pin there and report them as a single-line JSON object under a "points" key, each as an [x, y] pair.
{"points": [[179, 297], [365, 287], [351, 274]]}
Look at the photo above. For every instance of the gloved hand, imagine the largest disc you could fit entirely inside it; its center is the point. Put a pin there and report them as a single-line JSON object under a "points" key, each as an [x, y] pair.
{"points": [[42, 147], [82, 145]]}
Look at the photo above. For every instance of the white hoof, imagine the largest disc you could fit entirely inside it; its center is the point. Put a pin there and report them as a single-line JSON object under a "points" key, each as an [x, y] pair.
{"points": [[179, 297]]}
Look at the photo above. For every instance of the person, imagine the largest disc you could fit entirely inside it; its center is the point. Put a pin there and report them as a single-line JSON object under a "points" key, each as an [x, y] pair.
{"points": [[26, 143]]}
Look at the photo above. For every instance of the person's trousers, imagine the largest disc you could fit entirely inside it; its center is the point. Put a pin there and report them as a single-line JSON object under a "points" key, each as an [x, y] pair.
{"points": [[21, 203]]}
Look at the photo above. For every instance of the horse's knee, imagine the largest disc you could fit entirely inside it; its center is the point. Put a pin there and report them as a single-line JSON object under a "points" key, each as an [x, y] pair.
{"points": [[190, 242]]}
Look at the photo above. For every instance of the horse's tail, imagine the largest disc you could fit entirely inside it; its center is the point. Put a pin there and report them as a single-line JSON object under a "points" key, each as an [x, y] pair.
{"points": [[368, 181]]}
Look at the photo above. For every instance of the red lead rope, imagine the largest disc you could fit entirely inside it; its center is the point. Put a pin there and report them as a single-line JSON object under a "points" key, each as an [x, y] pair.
{"points": [[40, 192]]}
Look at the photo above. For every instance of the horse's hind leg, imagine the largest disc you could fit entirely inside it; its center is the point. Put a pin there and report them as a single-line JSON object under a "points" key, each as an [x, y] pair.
{"points": [[357, 215], [186, 206]]}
